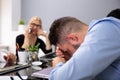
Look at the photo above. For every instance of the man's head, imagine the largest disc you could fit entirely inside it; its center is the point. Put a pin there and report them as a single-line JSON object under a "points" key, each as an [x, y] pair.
{"points": [[67, 33], [114, 13]]}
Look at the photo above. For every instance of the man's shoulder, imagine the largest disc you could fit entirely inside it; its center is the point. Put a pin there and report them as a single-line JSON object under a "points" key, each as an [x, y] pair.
{"points": [[104, 20], [110, 19]]}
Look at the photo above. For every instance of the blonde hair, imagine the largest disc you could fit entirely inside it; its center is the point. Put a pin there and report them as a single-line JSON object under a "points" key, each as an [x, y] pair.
{"points": [[36, 18]]}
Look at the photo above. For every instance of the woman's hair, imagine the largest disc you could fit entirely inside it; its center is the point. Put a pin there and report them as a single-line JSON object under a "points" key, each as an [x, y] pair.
{"points": [[63, 26], [35, 18]]}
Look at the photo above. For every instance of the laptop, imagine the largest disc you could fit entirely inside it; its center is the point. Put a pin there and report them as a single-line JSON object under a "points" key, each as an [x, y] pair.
{"points": [[43, 73], [5, 70]]}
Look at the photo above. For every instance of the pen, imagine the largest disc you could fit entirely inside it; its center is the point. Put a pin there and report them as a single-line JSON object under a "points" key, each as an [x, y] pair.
{"points": [[11, 78], [19, 76]]}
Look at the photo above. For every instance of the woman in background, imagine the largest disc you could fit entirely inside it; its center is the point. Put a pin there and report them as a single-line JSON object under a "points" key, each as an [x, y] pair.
{"points": [[30, 37]]}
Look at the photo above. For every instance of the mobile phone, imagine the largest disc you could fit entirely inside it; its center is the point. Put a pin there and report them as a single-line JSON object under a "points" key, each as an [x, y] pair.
{"points": [[30, 30]]}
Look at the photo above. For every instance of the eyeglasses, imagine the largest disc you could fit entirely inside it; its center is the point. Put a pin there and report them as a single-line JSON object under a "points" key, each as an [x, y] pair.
{"points": [[37, 25]]}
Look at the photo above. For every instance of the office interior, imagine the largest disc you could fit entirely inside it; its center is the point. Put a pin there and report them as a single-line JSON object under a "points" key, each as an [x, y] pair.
{"points": [[12, 11]]}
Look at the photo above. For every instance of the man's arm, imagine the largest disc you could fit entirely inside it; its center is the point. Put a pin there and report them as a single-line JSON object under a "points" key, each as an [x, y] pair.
{"points": [[100, 48]]}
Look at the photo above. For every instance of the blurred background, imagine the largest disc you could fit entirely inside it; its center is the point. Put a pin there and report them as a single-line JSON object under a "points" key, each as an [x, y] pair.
{"points": [[12, 11]]}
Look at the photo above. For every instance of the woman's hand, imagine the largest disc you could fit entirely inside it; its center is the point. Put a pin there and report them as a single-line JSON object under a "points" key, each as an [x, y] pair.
{"points": [[42, 33], [30, 37], [28, 32], [10, 57]]}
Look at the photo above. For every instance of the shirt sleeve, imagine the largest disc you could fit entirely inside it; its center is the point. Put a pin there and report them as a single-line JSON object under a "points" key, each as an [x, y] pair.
{"points": [[99, 49], [52, 72]]}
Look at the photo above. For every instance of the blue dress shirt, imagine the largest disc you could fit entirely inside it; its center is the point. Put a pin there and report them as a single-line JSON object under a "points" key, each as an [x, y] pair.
{"points": [[112, 72], [100, 48]]}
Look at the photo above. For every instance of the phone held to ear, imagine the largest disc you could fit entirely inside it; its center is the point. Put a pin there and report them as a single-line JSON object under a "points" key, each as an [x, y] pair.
{"points": [[30, 30]]}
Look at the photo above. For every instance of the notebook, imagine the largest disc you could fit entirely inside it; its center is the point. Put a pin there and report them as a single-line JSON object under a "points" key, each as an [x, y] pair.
{"points": [[43, 73]]}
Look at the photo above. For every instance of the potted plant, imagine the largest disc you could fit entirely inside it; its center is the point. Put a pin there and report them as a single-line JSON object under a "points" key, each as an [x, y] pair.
{"points": [[21, 25], [33, 52], [21, 22]]}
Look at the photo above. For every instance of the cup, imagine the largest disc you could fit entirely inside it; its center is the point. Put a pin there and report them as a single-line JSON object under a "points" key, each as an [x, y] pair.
{"points": [[23, 57]]}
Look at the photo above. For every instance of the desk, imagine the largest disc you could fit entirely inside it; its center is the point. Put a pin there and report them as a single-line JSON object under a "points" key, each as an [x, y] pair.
{"points": [[26, 70]]}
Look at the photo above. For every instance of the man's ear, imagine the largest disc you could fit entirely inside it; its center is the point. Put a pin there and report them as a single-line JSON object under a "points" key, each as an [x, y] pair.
{"points": [[72, 38]]}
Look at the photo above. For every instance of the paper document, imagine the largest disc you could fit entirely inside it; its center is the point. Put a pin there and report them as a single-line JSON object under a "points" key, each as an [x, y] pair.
{"points": [[14, 77]]}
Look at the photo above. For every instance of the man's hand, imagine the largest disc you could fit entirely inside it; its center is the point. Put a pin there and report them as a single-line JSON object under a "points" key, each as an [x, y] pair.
{"points": [[57, 60], [59, 53], [62, 54]]}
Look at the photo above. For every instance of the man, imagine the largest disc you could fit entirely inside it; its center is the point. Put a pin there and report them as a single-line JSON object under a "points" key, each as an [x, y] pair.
{"points": [[113, 71], [95, 54]]}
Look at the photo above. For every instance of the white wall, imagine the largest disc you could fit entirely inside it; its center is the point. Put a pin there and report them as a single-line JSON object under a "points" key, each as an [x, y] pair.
{"points": [[10, 15], [16, 14], [5, 21], [0, 21], [49, 10]]}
